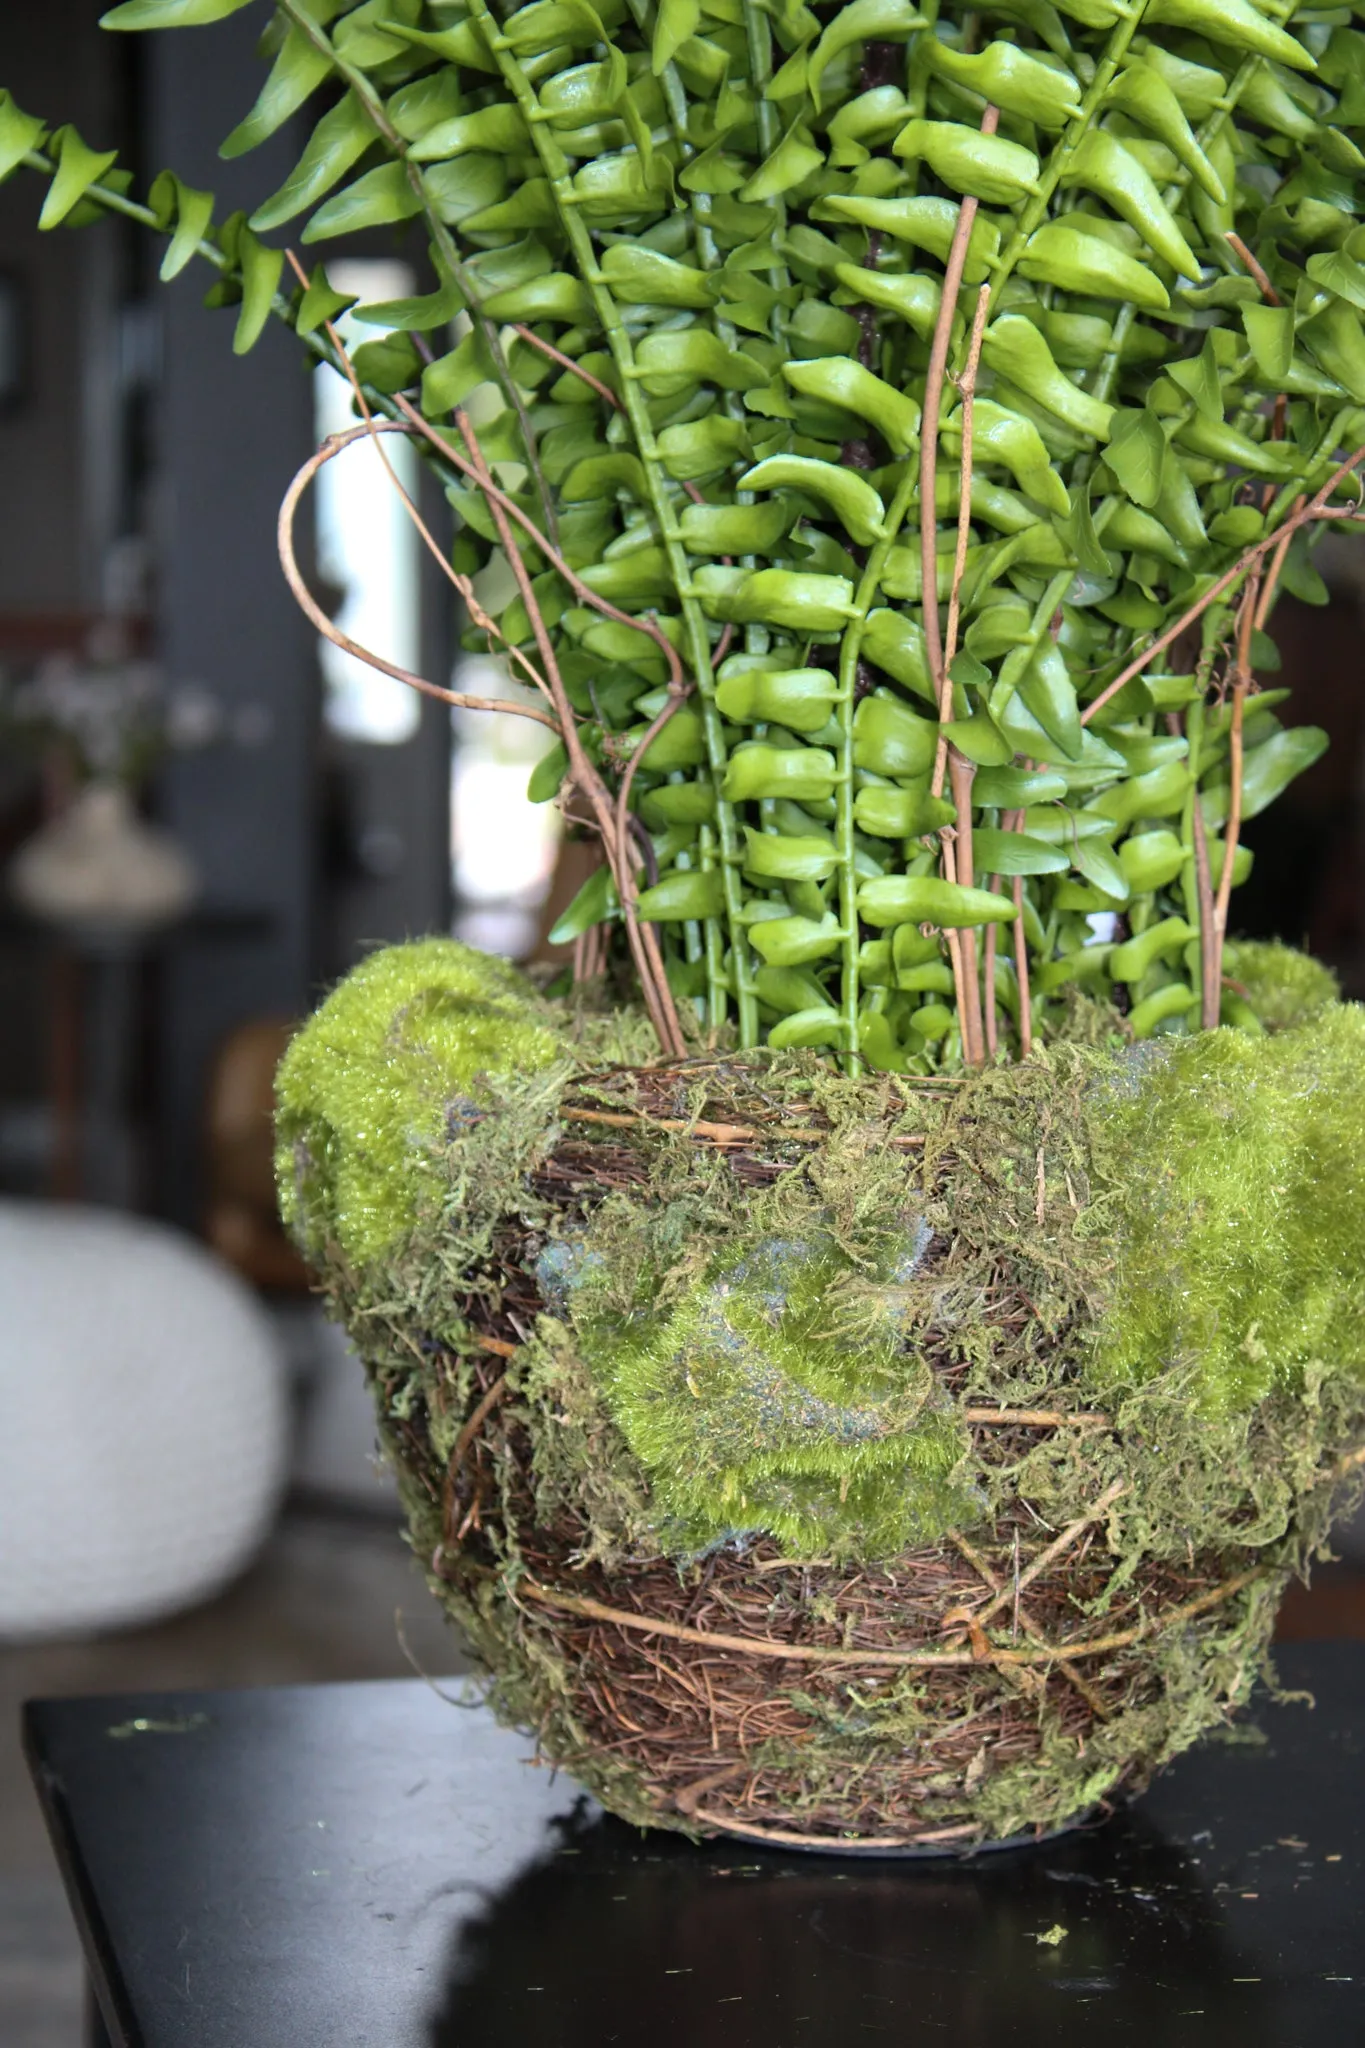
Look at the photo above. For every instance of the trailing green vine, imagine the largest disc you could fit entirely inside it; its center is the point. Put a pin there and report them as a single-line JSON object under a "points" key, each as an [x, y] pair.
{"points": [[700, 247]]}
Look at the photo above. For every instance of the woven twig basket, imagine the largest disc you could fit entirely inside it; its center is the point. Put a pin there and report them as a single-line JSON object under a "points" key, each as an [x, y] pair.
{"points": [[702, 1695]]}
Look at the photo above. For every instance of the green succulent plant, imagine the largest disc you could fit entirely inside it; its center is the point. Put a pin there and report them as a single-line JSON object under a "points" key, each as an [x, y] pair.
{"points": [[897, 422]]}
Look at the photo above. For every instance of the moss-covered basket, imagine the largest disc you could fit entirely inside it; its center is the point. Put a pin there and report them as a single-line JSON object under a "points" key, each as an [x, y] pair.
{"points": [[846, 1462]]}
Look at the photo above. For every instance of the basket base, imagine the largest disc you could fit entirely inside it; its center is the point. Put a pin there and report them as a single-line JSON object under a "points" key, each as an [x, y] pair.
{"points": [[888, 1849]]}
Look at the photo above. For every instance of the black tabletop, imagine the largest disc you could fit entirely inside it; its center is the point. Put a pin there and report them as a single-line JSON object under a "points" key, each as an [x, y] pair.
{"points": [[366, 1866]]}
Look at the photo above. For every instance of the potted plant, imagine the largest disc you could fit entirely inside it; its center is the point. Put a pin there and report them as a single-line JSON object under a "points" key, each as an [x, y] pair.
{"points": [[864, 1353]]}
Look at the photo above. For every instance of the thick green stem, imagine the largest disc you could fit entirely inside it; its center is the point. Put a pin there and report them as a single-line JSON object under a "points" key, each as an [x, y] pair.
{"points": [[556, 169]]}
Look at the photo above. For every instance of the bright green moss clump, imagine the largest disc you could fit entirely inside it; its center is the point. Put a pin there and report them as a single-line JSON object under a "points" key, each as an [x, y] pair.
{"points": [[1237, 1166], [1281, 986], [405, 1046]]}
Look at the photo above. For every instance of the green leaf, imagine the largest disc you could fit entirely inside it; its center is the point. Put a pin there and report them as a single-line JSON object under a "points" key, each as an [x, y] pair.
{"points": [[339, 140], [1270, 330], [839, 380], [926, 899], [192, 213], [805, 602], [1048, 692], [448, 381], [889, 813], [1269, 770], [758, 770], [821, 1025], [795, 941], [139, 14], [697, 893], [891, 739], [1232, 21], [981, 740], [595, 901], [319, 303], [1101, 867], [794, 857], [1009, 789], [377, 199], [882, 21], [260, 266], [548, 774], [78, 168], [297, 72], [19, 133], [850, 494], [641, 276], [1015, 853], [1136, 453], [1078, 531], [1339, 273], [496, 127], [1062, 253], [418, 315], [1201, 380]]}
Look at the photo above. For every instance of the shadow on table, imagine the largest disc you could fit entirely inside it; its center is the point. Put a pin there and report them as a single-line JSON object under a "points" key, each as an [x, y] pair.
{"points": [[610, 1938]]}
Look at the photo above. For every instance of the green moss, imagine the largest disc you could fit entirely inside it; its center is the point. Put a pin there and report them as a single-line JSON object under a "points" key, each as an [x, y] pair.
{"points": [[1172, 1233], [1235, 1173], [410, 1039], [1282, 986], [1181, 1223]]}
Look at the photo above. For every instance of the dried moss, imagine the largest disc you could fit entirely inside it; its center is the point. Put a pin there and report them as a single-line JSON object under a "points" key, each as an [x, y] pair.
{"points": [[1188, 1217], [1172, 1233]]}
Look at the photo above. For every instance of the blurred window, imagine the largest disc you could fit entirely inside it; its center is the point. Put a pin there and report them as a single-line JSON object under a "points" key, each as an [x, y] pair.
{"points": [[503, 846], [366, 544]]}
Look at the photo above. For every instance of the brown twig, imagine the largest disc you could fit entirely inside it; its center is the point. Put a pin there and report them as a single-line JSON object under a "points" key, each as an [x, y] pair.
{"points": [[1037, 1418], [1241, 683], [567, 362], [716, 1134], [961, 945], [787, 1838], [476, 1421], [978, 1563], [992, 1021], [1061, 1544], [1210, 991], [314, 612], [812, 1653], [1272, 574], [1315, 508], [967, 388], [1255, 270], [928, 452], [1021, 971]]}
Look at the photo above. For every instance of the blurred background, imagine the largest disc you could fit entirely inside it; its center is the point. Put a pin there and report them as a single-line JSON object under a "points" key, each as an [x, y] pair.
{"points": [[206, 816]]}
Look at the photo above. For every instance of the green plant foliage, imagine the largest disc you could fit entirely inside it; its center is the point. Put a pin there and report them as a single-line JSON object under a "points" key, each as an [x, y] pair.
{"points": [[738, 220]]}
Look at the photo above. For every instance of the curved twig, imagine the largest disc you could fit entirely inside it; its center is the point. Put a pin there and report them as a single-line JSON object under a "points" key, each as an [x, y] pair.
{"points": [[308, 604]]}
